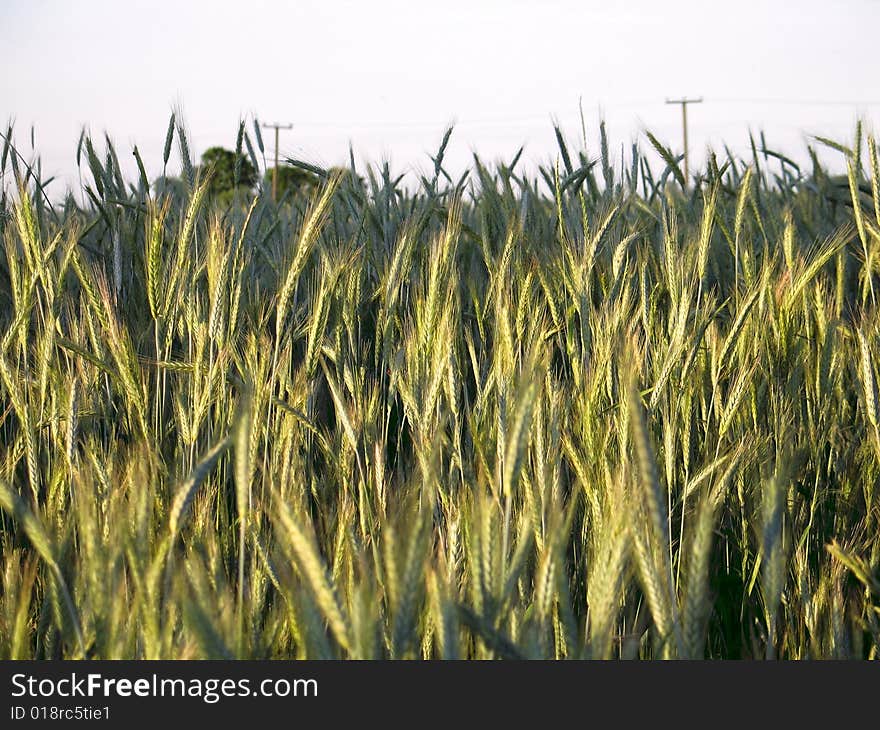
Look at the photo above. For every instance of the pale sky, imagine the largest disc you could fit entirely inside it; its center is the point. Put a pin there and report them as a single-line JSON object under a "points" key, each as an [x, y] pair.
{"points": [[388, 75]]}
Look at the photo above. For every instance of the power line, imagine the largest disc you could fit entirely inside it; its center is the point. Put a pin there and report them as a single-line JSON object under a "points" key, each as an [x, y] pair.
{"points": [[509, 121], [795, 102]]}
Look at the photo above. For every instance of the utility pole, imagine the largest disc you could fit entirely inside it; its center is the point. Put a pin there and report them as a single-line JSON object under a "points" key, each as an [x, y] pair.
{"points": [[684, 126], [276, 126]]}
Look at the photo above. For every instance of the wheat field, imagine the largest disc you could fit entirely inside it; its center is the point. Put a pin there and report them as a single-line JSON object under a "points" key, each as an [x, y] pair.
{"points": [[594, 411]]}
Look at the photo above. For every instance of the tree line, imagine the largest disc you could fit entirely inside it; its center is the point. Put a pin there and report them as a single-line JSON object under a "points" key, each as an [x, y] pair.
{"points": [[233, 173]]}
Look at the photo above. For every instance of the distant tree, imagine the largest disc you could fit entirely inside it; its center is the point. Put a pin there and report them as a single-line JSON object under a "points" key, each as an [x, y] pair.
{"points": [[222, 162], [346, 175], [298, 180], [169, 185], [291, 178]]}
